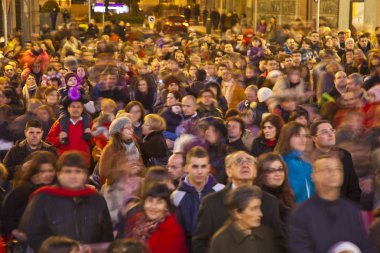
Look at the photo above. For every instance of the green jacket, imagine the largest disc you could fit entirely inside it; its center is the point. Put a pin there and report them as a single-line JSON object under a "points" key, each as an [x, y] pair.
{"points": [[230, 238]]}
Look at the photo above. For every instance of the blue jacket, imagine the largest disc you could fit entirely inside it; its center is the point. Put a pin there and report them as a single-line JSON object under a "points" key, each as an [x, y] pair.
{"points": [[299, 176], [187, 200]]}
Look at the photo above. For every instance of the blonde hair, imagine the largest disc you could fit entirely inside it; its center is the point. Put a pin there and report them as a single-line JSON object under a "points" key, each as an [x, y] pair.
{"points": [[108, 101], [156, 122], [3, 171]]}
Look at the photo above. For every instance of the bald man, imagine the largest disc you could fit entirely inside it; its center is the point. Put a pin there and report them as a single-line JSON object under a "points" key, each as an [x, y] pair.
{"points": [[189, 107]]}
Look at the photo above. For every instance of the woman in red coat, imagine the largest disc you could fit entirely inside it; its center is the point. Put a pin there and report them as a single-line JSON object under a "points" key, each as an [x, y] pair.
{"points": [[156, 225]]}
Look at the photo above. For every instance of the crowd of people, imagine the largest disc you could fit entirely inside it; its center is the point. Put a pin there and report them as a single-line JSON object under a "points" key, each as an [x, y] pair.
{"points": [[178, 143]]}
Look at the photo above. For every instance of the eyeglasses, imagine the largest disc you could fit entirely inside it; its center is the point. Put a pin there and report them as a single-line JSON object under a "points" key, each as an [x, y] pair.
{"points": [[328, 170], [326, 131], [274, 170], [241, 160]]}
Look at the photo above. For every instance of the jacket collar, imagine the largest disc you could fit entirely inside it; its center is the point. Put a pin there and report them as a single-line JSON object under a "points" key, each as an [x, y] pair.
{"points": [[185, 185], [239, 235]]}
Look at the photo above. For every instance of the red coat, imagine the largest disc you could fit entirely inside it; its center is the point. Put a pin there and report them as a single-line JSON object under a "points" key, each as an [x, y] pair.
{"points": [[168, 237], [75, 139]]}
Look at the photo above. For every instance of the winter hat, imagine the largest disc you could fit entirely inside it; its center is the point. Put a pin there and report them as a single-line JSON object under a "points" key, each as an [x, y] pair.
{"points": [[7, 50], [171, 79], [344, 247], [68, 76], [274, 73], [263, 94], [118, 123]]}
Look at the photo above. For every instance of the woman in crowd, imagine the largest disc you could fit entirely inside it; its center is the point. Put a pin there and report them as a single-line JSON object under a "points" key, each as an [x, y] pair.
{"points": [[30, 89], [144, 94], [153, 147], [272, 176], [222, 102], [244, 232], [207, 104], [136, 109], [291, 145], [156, 224], [215, 135], [122, 144], [51, 99], [8, 96], [41, 171], [270, 131], [6, 137], [46, 116], [119, 166]]}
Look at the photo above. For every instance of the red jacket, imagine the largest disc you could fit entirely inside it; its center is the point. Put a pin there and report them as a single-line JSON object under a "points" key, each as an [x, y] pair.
{"points": [[168, 237], [75, 139]]}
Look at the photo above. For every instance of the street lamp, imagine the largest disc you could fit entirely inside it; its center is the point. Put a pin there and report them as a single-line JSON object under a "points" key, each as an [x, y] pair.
{"points": [[317, 16], [89, 11], [5, 19]]}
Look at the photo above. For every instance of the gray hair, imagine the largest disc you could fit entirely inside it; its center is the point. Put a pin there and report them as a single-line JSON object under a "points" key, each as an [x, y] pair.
{"points": [[357, 78]]}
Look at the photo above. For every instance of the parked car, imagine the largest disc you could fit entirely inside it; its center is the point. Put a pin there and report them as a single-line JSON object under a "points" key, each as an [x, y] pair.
{"points": [[175, 24]]}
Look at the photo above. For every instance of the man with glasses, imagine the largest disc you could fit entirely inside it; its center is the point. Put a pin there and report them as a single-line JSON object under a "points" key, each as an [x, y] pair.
{"points": [[213, 212], [175, 167], [326, 222], [323, 136]]}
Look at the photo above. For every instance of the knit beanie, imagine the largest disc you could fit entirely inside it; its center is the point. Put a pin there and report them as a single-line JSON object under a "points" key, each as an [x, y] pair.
{"points": [[263, 94], [68, 76], [118, 123]]}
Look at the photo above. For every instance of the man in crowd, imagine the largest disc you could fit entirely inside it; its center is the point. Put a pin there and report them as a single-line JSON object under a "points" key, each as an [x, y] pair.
{"points": [[75, 132], [69, 209], [235, 129], [192, 188], [241, 170], [323, 136], [23, 148], [176, 170], [326, 221]]}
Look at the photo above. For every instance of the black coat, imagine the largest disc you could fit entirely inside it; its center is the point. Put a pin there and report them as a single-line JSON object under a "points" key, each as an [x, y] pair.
{"points": [[17, 154], [213, 212], [84, 218], [350, 188], [172, 120], [318, 224], [14, 206], [237, 145], [153, 146], [259, 146]]}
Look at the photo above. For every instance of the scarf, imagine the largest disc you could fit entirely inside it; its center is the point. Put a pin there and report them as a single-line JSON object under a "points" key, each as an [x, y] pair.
{"points": [[63, 192], [228, 90], [270, 143], [144, 228]]}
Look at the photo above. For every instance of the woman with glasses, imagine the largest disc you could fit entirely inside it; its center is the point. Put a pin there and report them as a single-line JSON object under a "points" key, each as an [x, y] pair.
{"points": [[272, 177], [291, 145]]}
